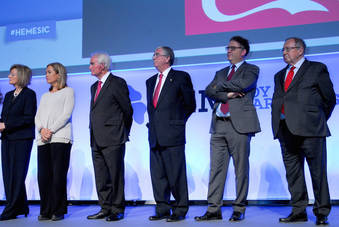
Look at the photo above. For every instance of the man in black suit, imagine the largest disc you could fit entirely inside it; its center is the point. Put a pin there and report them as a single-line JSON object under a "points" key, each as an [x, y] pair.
{"points": [[170, 102], [110, 123], [303, 101], [234, 122]]}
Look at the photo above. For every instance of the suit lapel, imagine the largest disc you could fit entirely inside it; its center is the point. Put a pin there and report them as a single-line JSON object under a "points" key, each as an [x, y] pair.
{"points": [[299, 74], [168, 83], [93, 89], [239, 70], [151, 89], [225, 75], [102, 91], [282, 78]]}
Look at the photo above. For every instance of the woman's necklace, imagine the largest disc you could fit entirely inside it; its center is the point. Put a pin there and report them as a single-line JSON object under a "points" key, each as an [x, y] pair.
{"points": [[17, 92]]}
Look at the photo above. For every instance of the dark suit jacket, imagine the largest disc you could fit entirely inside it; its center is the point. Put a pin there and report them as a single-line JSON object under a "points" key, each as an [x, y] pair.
{"points": [[243, 113], [18, 115], [308, 102], [175, 104], [111, 114]]}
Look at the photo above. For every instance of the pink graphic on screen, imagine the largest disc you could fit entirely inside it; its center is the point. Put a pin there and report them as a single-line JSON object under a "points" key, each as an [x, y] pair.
{"points": [[212, 16]]}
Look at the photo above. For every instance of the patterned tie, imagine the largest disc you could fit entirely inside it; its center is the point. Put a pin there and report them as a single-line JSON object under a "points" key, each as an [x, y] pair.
{"points": [[157, 91], [98, 90], [287, 83], [224, 106]]}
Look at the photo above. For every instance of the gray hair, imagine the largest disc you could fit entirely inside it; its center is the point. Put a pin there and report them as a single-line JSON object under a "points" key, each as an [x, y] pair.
{"points": [[24, 74], [168, 52], [104, 59], [61, 70]]}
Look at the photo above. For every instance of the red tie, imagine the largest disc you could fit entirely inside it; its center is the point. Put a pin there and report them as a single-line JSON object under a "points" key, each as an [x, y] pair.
{"points": [[224, 106], [157, 91], [98, 90], [287, 83]]}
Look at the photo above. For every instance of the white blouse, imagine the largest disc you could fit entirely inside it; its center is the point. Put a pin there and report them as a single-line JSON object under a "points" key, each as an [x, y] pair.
{"points": [[55, 113]]}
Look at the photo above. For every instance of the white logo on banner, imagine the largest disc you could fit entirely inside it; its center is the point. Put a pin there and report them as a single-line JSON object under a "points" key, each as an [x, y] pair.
{"points": [[292, 6]]}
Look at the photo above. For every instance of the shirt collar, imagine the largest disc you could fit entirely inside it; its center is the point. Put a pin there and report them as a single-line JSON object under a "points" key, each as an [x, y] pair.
{"points": [[104, 78], [237, 65], [298, 64], [165, 72]]}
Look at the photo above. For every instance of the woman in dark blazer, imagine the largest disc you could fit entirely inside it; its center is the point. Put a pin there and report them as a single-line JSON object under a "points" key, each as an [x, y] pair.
{"points": [[17, 134]]}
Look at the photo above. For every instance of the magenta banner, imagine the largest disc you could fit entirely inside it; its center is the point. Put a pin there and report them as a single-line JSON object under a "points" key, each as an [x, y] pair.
{"points": [[213, 16]]}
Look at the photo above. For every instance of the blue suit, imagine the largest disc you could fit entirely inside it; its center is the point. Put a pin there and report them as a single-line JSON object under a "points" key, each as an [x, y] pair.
{"points": [[166, 134]]}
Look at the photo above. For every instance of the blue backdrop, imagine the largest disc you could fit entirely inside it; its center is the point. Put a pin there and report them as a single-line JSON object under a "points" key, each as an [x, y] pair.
{"points": [[62, 31], [267, 174]]}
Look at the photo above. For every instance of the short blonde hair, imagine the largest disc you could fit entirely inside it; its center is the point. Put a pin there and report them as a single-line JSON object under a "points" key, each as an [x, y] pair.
{"points": [[61, 70], [24, 74]]}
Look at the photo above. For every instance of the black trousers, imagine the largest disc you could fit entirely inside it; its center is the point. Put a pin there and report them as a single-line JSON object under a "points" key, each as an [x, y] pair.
{"points": [[168, 175], [15, 156], [53, 163], [109, 170], [295, 149]]}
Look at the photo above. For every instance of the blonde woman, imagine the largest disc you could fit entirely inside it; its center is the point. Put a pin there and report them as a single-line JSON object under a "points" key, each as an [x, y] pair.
{"points": [[54, 124], [17, 135]]}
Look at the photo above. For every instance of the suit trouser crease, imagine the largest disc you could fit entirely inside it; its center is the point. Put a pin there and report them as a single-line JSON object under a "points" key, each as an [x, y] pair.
{"points": [[168, 174], [15, 156], [294, 153], [109, 170], [227, 143], [53, 164]]}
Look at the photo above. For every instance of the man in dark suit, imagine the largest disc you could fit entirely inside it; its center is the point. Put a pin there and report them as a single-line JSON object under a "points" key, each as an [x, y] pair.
{"points": [[110, 123], [303, 101], [170, 102], [234, 122]]}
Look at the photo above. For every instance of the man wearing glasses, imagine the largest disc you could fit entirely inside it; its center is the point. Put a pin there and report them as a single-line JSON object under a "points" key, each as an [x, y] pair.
{"points": [[234, 122], [170, 102], [303, 101]]}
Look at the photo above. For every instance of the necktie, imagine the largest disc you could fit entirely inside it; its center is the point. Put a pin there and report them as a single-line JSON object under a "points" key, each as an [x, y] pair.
{"points": [[98, 90], [289, 78], [224, 106], [157, 91], [287, 83]]}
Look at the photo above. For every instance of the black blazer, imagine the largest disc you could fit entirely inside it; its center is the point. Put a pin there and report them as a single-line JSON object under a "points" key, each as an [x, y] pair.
{"points": [[243, 113], [18, 115], [308, 101], [176, 103], [111, 114]]}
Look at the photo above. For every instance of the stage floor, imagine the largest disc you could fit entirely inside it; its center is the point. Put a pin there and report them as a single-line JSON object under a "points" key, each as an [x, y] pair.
{"points": [[261, 216]]}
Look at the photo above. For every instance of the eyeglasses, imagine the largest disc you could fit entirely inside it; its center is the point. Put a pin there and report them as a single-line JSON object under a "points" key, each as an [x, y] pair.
{"points": [[232, 48], [158, 54], [288, 49]]}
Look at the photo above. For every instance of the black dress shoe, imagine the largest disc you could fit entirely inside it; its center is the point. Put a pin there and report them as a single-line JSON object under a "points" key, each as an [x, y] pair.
{"points": [[115, 217], [56, 217], [321, 220], [43, 217], [5, 218], [209, 216], [158, 217], [99, 215], [294, 217], [237, 216], [174, 218]]}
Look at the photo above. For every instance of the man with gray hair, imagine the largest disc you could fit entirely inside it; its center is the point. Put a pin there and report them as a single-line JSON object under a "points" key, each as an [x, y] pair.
{"points": [[110, 123], [303, 101], [170, 102]]}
